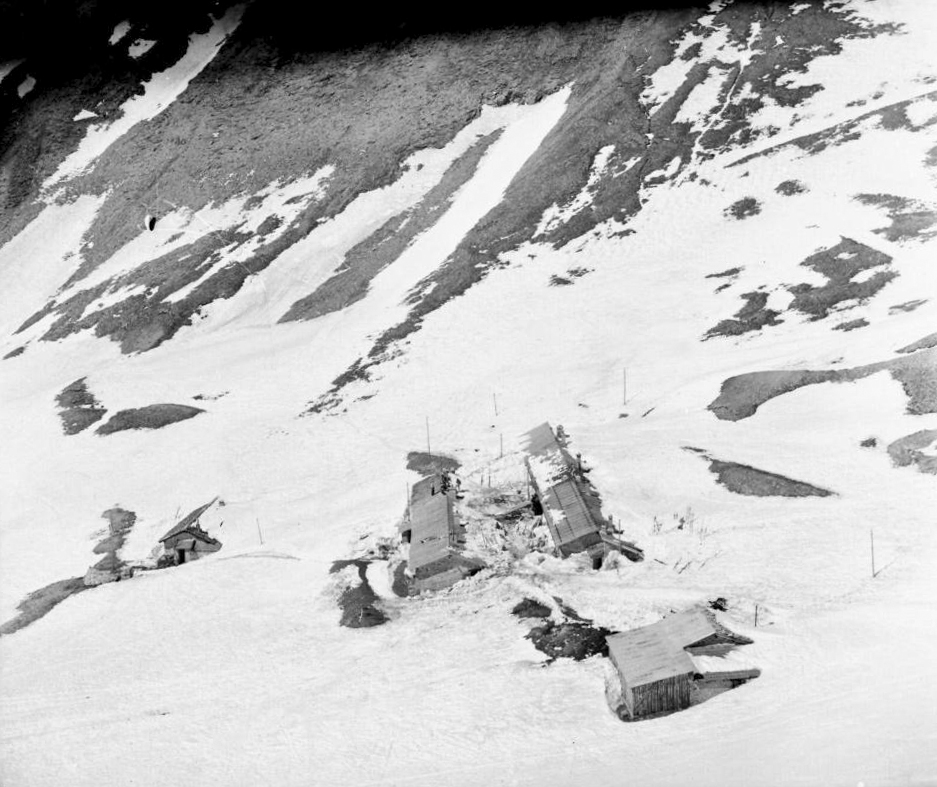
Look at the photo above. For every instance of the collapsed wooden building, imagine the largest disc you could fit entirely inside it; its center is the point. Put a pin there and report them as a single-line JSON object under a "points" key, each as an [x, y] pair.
{"points": [[187, 541], [436, 538], [679, 661], [571, 506]]}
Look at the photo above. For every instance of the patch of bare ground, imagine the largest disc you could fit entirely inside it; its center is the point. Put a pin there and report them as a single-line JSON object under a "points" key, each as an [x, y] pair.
{"points": [[359, 604], [78, 408], [921, 344], [401, 582], [40, 602], [427, 464], [742, 395], [529, 608], [364, 261], [908, 450], [790, 187], [574, 637], [907, 306], [851, 325], [910, 219], [153, 416], [840, 264], [730, 273], [743, 208], [571, 275], [747, 480], [753, 316]]}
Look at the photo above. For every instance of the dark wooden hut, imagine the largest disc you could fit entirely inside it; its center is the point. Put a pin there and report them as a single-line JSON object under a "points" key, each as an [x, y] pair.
{"points": [[187, 541], [677, 662]]}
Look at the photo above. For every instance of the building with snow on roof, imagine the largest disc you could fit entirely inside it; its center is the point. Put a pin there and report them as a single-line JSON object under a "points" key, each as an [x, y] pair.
{"points": [[436, 538], [571, 506], [187, 541], [682, 660]]}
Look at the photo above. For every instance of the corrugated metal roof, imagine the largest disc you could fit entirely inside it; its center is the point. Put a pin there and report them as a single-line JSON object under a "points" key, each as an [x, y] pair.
{"points": [[651, 653], [548, 461], [424, 488], [571, 507], [433, 530], [570, 515]]}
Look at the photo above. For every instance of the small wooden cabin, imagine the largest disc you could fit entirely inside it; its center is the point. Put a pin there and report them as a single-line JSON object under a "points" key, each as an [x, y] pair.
{"points": [[187, 541], [680, 661], [572, 508], [436, 538]]}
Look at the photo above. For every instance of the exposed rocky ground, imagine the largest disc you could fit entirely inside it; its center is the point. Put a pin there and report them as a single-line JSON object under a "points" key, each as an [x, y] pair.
{"points": [[742, 395], [78, 408], [153, 416]]}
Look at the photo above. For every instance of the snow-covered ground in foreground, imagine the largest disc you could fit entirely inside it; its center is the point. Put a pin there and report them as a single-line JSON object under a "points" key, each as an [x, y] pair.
{"points": [[234, 671]]}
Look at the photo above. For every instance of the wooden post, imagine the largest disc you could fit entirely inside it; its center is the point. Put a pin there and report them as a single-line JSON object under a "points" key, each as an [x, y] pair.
{"points": [[428, 449], [756, 616], [872, 543], [259, 531], [494, 398], [624, 386], [502, 445]]}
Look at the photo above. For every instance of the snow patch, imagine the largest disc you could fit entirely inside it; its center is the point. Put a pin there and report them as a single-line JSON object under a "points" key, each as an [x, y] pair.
{"points": [[140, 47], [26, 86], [120, 30], [7, 68]]}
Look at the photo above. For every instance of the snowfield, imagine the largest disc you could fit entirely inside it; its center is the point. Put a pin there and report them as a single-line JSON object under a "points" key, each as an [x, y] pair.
{"points": [[233, 670]]}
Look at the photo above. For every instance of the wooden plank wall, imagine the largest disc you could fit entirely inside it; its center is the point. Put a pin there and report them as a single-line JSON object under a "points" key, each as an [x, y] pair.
{"points": [[662, 696]]}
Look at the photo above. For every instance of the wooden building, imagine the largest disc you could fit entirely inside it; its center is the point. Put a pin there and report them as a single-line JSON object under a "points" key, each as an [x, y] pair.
{"points": [[436, 538], [571, 506], [187, 541], [679, 661]]}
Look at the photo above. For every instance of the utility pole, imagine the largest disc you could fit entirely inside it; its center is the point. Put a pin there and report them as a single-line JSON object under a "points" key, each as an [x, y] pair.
{"points": [[494, 398], [428, 450], [872, 543], [502, 445], [756, 616], [259, 531], [624, 386]]}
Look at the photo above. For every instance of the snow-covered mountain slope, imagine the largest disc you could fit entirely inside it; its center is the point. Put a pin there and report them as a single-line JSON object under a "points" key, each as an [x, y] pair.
{"points": [[731, 209]]}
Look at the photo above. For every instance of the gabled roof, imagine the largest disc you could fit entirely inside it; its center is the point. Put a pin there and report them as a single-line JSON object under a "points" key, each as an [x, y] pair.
{"points": [[433, 530], [549, 462], [573, 511], [189, 521], [651, 653], [572, 507]]}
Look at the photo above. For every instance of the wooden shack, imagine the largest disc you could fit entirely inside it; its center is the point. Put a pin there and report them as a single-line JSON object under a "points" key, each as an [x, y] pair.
{"points": [[571, 506], [436, 538], [187, 541], [679, 661]]}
